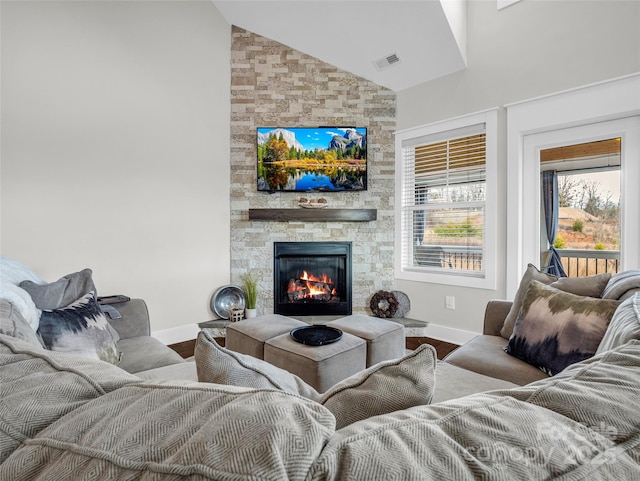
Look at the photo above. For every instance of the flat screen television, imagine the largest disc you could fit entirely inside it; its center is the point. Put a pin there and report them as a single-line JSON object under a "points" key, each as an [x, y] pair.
{"points": [[307, 159]]}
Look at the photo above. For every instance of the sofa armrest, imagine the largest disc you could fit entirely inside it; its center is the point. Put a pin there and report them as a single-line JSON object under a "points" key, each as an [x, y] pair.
{"points": [[134, 321], [494, 316]]}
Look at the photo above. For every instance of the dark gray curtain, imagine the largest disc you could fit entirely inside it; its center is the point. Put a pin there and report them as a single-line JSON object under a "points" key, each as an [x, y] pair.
{"points": [[551, 210]]}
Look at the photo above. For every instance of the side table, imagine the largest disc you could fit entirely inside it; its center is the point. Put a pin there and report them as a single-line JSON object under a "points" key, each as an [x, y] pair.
{"points": [[218, 329]]}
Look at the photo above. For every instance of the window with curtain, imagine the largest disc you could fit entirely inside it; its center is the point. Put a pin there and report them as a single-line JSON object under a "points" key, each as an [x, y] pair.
{"points": [[587, 229], [443, 203]]}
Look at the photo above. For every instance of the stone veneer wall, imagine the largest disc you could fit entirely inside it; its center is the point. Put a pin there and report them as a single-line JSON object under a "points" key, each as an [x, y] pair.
{"points": [[273, 85]]}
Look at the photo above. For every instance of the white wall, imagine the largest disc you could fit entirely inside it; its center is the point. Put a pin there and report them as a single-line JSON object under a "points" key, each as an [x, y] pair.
{"points": [[115, 147], [530, 49]]}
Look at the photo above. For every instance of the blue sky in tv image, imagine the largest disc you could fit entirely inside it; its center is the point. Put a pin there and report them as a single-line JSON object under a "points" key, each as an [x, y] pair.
{"points": [[310, 138]]}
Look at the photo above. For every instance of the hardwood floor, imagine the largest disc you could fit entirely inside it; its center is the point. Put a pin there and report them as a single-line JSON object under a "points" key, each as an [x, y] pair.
{"points": [[442, 348], [185, 348]]}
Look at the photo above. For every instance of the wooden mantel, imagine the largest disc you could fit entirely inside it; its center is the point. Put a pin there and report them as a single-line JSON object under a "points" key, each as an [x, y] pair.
{"points": [[314, 215]]}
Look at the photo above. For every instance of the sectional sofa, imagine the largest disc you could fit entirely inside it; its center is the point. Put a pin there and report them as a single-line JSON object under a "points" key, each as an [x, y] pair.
{"points": [[71, 417]]}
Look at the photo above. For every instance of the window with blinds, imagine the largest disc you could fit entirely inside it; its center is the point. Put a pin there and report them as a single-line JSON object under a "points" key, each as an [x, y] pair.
{"points": [[443, 201]]}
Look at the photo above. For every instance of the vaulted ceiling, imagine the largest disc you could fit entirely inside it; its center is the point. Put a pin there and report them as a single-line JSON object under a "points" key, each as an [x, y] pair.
{"points": [[394, 43]]}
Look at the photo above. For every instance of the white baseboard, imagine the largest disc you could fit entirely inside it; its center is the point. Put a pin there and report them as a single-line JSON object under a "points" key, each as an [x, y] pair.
{"points": [[449, 334], [174, 335]]}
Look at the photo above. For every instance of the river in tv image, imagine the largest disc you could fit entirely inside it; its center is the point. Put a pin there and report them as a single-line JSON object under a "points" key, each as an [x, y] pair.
{"points": [[275, 177], [314, 182]]}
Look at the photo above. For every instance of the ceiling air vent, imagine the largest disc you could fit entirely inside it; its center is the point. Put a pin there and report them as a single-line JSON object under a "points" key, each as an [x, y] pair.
{"points": [[387, 61]]}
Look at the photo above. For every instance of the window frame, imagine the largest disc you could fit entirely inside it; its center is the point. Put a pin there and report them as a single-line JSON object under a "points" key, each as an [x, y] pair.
{"points": [[614, 100], [454, 278]]}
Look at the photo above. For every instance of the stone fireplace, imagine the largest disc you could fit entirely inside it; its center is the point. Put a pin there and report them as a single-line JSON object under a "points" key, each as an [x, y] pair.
{"points": [[272, 84], [312, 278]]}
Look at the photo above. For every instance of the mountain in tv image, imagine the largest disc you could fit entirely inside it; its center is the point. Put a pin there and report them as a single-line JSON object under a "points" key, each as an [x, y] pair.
{"points": [[308, 159]]}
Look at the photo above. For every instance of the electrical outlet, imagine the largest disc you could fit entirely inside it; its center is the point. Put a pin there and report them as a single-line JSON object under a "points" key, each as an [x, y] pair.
{"points": [[450, 302]]}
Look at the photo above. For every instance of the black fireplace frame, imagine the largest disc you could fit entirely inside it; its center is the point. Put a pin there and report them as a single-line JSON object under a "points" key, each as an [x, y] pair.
{"points": [[305, 249]]}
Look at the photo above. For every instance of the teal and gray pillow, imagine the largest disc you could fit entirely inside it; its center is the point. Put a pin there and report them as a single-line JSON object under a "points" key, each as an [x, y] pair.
{"points": [[80, 328], [592, 286], [555, 328]]}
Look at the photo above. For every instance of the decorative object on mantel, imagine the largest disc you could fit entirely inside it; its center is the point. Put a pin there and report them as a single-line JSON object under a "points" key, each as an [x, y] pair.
{"points": [[250, 284], [225, 298], [388, 304], [236, 314], [313, 204]]}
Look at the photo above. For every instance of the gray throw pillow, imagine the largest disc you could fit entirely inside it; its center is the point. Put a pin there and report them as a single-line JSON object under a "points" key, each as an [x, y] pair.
{"points": [[382, 388], [13, 324], [624, 326], [622, 285], [556, 329], [39, 387], [62, 292], [532, 273], [591, 286], [80, 328], [218, 365]]}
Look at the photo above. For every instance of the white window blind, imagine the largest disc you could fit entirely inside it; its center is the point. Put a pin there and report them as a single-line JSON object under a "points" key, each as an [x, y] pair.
{"points": [[443, 202]]}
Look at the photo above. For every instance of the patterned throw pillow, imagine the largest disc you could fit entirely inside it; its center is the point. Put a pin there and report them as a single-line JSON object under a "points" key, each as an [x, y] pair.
{"points": [[556, 329], [79, 328], [383, 388], [591, 286]]}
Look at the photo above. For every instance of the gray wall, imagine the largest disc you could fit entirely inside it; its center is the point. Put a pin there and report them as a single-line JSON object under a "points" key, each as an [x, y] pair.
{"points": [[529, 49], [115, 147]]}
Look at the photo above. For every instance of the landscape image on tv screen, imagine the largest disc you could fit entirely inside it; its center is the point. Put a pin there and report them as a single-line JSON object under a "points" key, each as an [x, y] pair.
{"points": [[302, 159]]}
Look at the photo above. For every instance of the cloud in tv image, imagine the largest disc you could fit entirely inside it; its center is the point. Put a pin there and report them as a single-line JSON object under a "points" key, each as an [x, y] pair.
{"points": [[312, 159]]}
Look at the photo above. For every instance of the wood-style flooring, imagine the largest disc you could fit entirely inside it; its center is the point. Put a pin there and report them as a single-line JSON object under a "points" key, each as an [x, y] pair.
{"points": [[185, 348], [442, 348]]}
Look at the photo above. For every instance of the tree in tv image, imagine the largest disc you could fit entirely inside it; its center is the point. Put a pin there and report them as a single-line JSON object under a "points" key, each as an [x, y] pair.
{"points": [[308, 159]]}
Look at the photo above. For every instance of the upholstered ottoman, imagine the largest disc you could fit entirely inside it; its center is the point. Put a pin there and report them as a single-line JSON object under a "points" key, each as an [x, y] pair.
{"points": [[385, 339], [249, 335], [319, 366]]}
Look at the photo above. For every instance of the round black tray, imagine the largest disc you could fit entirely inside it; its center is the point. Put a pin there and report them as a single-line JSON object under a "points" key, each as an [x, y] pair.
{"points": [[317, 335]]}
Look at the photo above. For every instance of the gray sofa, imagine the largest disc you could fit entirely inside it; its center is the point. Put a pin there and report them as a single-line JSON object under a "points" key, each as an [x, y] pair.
{"points": [[485, 354], [69, 417], [64, 417], [142, 354]]}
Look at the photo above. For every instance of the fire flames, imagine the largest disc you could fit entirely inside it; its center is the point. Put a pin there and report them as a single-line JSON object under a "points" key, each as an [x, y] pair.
{"points": [[323, 278], [310, 286]]}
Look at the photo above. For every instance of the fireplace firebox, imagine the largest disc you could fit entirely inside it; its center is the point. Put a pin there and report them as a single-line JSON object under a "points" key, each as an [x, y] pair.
{"points": [[312, 278]]}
